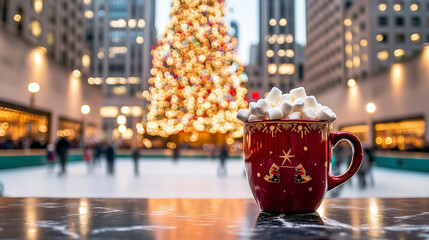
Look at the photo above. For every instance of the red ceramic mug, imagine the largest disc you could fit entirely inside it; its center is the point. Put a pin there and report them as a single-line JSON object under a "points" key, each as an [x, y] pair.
{"points": [[287, 163]]}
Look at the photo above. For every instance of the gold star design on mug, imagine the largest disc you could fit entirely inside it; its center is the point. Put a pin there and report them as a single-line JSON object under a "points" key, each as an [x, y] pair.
{"points": [[287, 156]]}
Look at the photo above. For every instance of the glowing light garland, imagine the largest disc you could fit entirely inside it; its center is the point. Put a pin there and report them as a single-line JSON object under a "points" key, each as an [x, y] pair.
{"points": [[197, 79]]}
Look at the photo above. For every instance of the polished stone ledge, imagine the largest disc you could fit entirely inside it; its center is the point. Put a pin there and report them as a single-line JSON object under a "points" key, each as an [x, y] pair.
{"points": [[54, 218]]}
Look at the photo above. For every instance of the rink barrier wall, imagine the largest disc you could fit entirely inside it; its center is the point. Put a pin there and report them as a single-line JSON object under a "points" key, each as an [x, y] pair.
{"points": [[407, 161], [16, 161]]}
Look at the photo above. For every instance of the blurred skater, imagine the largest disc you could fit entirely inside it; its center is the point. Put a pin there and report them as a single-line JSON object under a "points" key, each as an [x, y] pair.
{"points": [[62, 149], [98, 150], [222, 158], [50, 156], [365, 168], [176, 153], [136, 156], [87, 156], [109, 152]]}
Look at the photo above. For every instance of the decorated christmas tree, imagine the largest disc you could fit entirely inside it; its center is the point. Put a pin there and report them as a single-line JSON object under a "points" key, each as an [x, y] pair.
{"points": [[197, 79]]}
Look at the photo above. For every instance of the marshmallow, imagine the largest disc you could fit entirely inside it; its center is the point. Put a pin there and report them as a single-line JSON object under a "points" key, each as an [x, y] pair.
{"points": [[286, 107], [318, 107], [298, 104], [261, 107], [326, 114], [275, 113], [243, 115], [273, 97], [294, 115], [308, 113], [311, 102], [286, 97], [256, 117], [252, 108], [298, 93]]}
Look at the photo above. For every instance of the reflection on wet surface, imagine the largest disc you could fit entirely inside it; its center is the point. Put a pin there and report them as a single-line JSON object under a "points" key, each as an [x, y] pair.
{"points": [[44, 218]]}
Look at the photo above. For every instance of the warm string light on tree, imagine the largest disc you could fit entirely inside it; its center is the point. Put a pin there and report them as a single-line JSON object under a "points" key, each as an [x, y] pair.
{"points": [[197, 79]]}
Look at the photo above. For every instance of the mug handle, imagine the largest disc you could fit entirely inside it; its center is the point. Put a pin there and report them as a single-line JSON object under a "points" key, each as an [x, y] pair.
{"points": [[334, 138]]}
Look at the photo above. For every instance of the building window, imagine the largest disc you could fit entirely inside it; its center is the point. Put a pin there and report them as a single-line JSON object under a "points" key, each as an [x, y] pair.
{"points": [[348, 36], [272, 68], [400, 38], [52, 14], [363, 26], [427, 22], [399, 53], [414, 7], [288, 69], [397, 6], [38, 6], [382, 7], [50, 38], [349, 64], [383, 55], [348, 4], [35, 28], [415, 21], [382, 21], [382, 38], [349, 49], [415, 37], [399, 21]]}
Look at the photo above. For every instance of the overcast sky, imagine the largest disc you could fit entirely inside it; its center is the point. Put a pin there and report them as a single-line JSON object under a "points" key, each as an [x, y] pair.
{"points": [[246, 14]]}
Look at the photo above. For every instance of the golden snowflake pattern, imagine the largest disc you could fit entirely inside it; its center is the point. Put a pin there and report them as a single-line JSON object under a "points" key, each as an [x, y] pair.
{"points": [[317, 127], [300, 129], [259, 125], [250, 129], [286, 126], [273, 129]]}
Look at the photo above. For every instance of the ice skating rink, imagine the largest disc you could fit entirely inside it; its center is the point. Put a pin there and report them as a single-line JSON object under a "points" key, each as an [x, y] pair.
{"points": [[197, 178]]}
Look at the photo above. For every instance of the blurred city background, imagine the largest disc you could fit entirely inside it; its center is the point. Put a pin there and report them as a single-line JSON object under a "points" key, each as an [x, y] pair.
{"points": [[90, 104]]}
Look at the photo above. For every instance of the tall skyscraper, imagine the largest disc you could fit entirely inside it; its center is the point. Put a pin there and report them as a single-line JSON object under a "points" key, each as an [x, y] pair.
{"points": [[43, 63], [57, 26], [381, 33], [277, 45], [235, 30], [350, 40], [324, 52], [120, 35]]}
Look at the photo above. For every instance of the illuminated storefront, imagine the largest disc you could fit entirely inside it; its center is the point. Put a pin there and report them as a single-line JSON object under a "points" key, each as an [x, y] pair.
{"points": [[405, 134], [361, 131], [70, 129], [23, 126]]}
